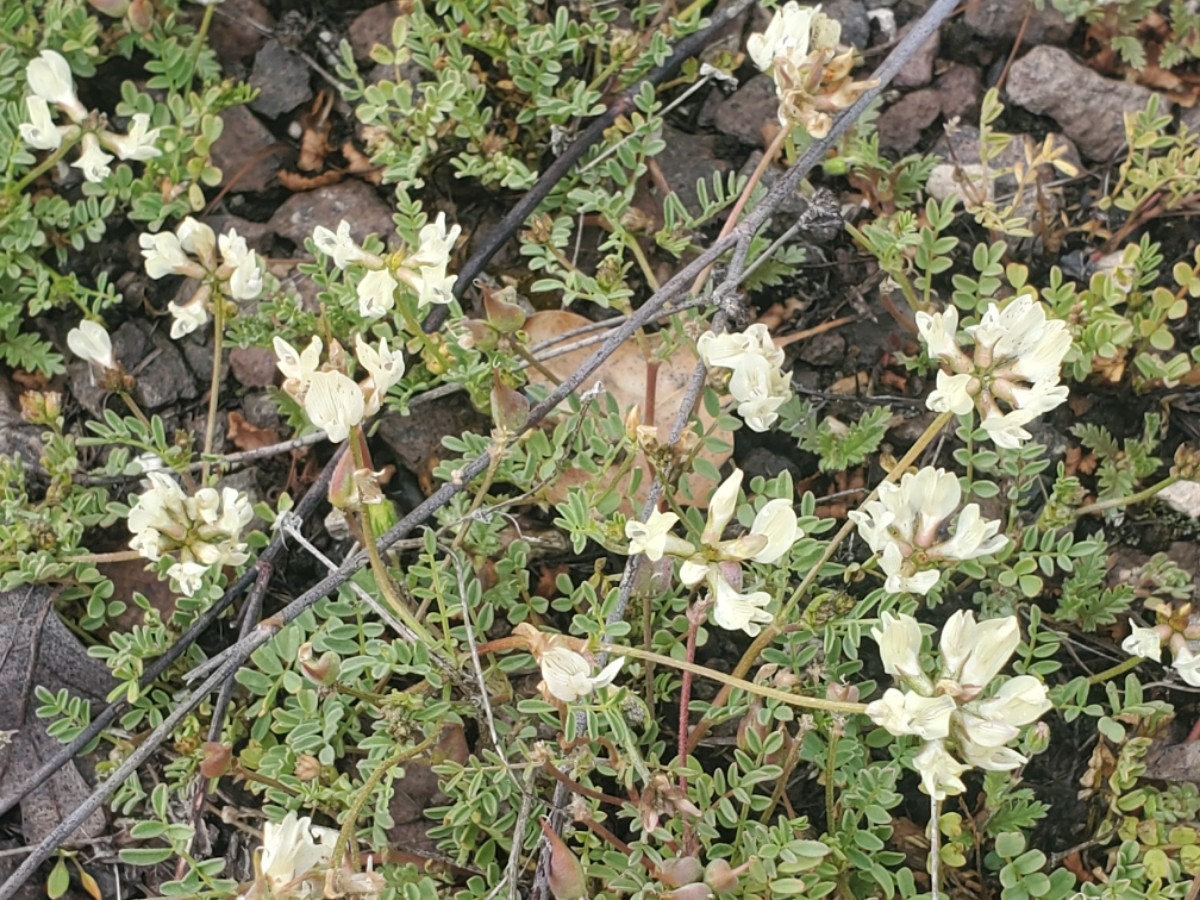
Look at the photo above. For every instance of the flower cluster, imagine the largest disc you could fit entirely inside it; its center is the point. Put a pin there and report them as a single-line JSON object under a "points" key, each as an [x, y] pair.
{"points": [[424, 270], [757, 381], [717, 562], [1017, 359], [192, 252], [50, 81], [199, 532], [334, 402], [950, 713], [800, 51], [904, 527], [566, 672], [292, 862]]}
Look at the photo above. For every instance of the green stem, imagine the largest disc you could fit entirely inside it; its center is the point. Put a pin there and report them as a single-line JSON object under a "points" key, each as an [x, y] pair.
{"points": [[201, 37], [1114, 502], [762, 690], [368, 788], [214, 386], [48, 163], [1113, 671]]}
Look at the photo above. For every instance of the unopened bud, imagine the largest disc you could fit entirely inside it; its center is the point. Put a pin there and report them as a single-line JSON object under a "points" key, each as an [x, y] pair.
{"points": [[343, 486], [140, 16], [633, 419], [510, 409], [217, 761], [41, 407], [680, 871], [323, 671], [721, 877], [565, 877], [308, 768], [844, 693], [503, 314], [1037, 739]]}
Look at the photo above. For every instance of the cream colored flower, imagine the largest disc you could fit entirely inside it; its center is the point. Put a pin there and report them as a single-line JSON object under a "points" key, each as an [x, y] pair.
{"points": [[40, 132], [904, 712], [90, 340], [899, 640], [139, 144], [384, 369], [340, 246], [904, 527], [49, 77], [334, 403], [425, 270], [1186, 663], [298, 368], [756, 382], [1144, 642], [188, 316], [567, 675], [164, 256], [200, 532], [973, 653], [786, 36], [291, 856], [940, 772], [1017, 359], [376, 293], [93, 162], [739, 612], [654, 539]]}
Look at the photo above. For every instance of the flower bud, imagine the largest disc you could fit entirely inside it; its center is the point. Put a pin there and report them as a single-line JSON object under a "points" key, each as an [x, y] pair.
{"points": [[697, 891], [217, 761], [682, 870], [308, 768], [322, 672], [566, 878], [721, 877], [845, 693], [1037, 739], [41, 407], [140, 16], [510, 409], [504, 316], [343, 486]]}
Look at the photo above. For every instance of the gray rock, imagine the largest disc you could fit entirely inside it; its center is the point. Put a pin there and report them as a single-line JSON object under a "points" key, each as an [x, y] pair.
{"points": [[198, 351], [253, 366], [162, 377], [852, 16], [1191, 118], [260, 410], [901, 124], [960, 89], [239, 31], [247, 153], [1088, 107], [281, 78], [1002, 19], [687, 159], [373, 26], [825, 349], [744, 113], [918, 71], [353, 201], [17, 437]]}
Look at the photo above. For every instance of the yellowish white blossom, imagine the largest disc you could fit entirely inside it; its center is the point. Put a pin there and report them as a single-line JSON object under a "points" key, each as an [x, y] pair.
{"points": [[295, 855], [904, 526], [568, 677], [90, 340], [1017, 360], [1144, 642], [756, 381], [334, 403], [49, 77], [93, 162], [653, 537], [40, 132], [199, 532]]}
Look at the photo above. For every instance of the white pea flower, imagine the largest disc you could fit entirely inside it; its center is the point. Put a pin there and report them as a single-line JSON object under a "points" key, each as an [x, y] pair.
{"points": [[198, 239], [49, 77], [188, 316], [298, 368], [384, 369], [756, 381], [1144, 642], [425, 270], [245, 275], [93, 162], [904, 712], [139, 143], [40, 132], [940, 772], [334, 403], [291, 857], [903, 526], [376, 293], [90, 340], [955, 713], [1185, 662], [198, 532], [653, 537], [899, 640], [739, 612], [787, 35], [164, 256], [567, 675], [1017, 359], [341, 247]]}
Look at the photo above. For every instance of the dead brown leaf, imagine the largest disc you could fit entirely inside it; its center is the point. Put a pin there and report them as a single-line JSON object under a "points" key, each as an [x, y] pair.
{"points": [[248, 437]]}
